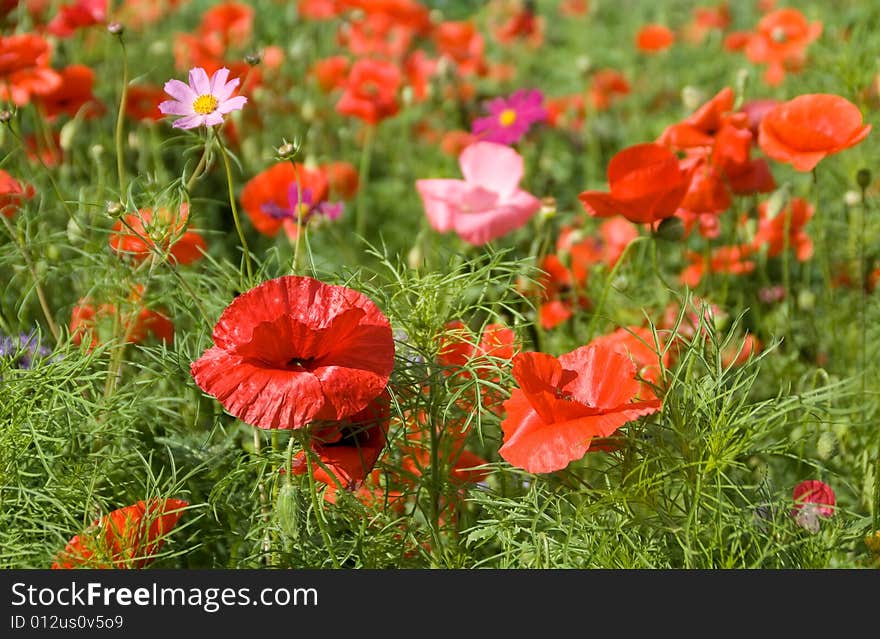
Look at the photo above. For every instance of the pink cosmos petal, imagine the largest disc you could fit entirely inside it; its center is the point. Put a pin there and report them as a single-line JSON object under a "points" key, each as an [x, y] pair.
{"points": [[213, 118], [233, 104], [173, 107], [180, 91], [223, 92], [189, 122], [218, 80], [493, 166], [198, 80]]}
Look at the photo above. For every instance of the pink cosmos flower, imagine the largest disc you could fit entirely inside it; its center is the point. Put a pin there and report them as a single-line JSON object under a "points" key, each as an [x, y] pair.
{"points": [[204, 102], [511, 118], [488, 203]]}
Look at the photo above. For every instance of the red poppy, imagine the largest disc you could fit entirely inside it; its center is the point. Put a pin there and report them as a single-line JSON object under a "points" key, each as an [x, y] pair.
{"points": [[267, 192], [739, 354], [781, 42], [12, 192], [574, 8], [231, 21], [733, 260], [755, 110], [371, 91], [812, 499], [377, 35], [93, 325], [74, 93], [771, 231], [647, 184], [129, 537], [142, 102], [524, 25], [566, 111], [804, 130], [563, 403], [80, 14], [454, 142], [607, 85], [331, 73], [654, 37], [143, 232], [461, 42], [24, 68], [348, 449], [705, 20], [318, 9], [419, 69], [342, 179], [293, 350], [637, 343]]}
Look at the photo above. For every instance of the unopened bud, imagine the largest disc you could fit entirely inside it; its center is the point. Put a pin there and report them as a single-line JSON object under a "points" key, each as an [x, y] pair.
{"points": [[670, 229], [5, 115], [116, 28], [548, 207], [253, 59], [863, 178], [287, 150], [115, 209]]}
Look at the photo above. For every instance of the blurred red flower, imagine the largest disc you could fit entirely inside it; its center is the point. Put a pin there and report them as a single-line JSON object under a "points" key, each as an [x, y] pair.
{"points": [[331, 73], [371, 91], [12, 192], [293, 350], [80, 14], [342, 179], [771, 231], [142, 102], [647, 184], [24, 68], [268, 191], [563, 403], [804, 130], [74, 93], [90, 323], [232, 22], [780, 42], [129, 537], [146, 231], [654, 37]]}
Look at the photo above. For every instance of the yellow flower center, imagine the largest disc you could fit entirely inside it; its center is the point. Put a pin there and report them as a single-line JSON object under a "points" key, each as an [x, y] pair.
{"points": [[507, 117], [205, 104], [303, 210]]}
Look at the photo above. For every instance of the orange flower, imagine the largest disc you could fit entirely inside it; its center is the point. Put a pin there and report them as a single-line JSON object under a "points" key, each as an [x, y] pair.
{"points": [[647, 184], [231, 21], [804, 130], [732, 260], [654, 37], [268, 191], [739, 354], [142, 102], [74, 93], [331, 73], [454, 142], [12, 192], [129, 537], [461, 42], [574, 8], [82, 13], [90, 323], [342, 179], [605, 86], [24, 68], [143, 232]]}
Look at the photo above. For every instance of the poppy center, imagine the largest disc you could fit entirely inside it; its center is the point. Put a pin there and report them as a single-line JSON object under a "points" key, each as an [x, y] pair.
{"points": [[778, 34], [507, 117], [299, 364], [205, 104]]}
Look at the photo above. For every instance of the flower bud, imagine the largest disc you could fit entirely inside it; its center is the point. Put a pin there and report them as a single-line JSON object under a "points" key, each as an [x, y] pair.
{"points": [[115, 209], [863, 178], [670, 229], [116, 28], [253, 59], [5, 115]]}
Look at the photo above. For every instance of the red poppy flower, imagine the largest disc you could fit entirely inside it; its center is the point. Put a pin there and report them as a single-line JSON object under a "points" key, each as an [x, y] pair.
{"points": [[637, 343], [142, 102], [574, 8], [94, 324], [804, 130], [647, 184], [144, 231], [563, 403], [733, 260], [706, 19], [566, 111], [654, 37], [347, 449], [293, 350], [606, 85], [12, 192], [74, 93], [454, 142], [129, 537], [812, 499], [331, 73], [231, 21], [771, 231], [739, 354], [318, 9], [24, 68], [461, 42], [80, 14], [371, 91], [267, 192], [419, 69], [342, 179], [377, 35], [781, 42], [524, 25]]}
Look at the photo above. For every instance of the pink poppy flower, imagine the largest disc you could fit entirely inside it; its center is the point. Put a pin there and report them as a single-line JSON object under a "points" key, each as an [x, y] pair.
{"points": [[204, 102], [488, 203]]}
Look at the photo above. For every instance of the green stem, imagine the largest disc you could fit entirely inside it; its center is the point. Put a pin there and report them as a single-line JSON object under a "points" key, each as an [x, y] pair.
{"points": [[244, 245], [598, 312], [316, 505], [120, 121], [364, 171], [41, 296], [200, 167]]}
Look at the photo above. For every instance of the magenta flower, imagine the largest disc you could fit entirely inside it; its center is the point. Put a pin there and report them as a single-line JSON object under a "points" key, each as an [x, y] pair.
{"points": [[510, 118], [488, 203], [204, 102]]}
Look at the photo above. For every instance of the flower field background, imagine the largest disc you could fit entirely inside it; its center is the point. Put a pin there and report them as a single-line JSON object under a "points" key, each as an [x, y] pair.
{"points": [[402, 284]]}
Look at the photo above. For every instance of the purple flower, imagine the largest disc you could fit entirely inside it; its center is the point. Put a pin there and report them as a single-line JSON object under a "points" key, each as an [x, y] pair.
{"points": [[204, 101], [510, 118], [300, 209], [22, 351]]}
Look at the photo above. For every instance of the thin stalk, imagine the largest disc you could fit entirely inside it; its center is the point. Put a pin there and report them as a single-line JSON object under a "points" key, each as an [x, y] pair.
{"points": [[360, 219], [316, 505], [120, 120], [238, 228], [41, 295], [200, 167], [600, 306], [264, 501]]}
